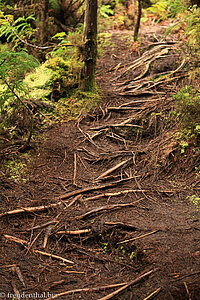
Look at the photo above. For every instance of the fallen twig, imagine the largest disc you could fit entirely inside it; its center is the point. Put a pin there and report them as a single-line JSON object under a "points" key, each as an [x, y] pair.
{"points": [[43, 225], [62, 197], [73, 201], [152, 295], [47, 234], [15, 289], [187, 290], [123, 124], [133, 282], [106, 208], [53, 256], [138, 237], [91, 289], [123, 192], [92, 188], [23, 242], [29, 209], [75, 168], [74, 232], [19, 274], [88, 137], [112, 169], [96, 289]]}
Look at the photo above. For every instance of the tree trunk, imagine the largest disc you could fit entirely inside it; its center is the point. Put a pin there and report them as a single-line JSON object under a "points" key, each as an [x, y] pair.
{"points": [[90, 43], [137, 25], [44, 23]]}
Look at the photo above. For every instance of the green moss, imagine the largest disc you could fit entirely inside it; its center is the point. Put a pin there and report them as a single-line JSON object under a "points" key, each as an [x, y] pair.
{"points": [[188, 113], [195, 201], [17, 167]]}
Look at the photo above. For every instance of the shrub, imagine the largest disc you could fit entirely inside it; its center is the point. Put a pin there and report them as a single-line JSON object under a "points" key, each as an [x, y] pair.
{"points": [[188, 111]]}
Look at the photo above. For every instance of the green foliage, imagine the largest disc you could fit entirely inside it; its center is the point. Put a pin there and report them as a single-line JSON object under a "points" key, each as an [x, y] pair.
{"points": [[189, 25], [54, 4], [70, 107], [175, 7], [66, 73], [188, 111], [13, 68], [57, 80], [159, 8], [10, 28], [193, 27], [113, 16], [104, 41], [62, 70], [106, 11], [68, 45], [17, 167], [163, 10], [195, 201]]}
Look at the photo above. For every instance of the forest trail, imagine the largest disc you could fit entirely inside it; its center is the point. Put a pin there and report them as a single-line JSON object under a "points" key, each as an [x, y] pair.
{"points": [[104, 210]]}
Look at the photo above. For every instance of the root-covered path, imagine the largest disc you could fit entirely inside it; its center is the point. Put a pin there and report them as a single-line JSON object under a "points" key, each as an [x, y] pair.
{"points": [[104, 211]]}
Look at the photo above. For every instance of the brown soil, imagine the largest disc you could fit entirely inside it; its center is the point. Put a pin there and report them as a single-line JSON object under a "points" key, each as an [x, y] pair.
{"points": [[160, 223]]}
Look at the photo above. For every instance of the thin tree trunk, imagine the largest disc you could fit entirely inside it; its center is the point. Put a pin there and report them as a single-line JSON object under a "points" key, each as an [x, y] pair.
{"points": [[44, 25], [90, 43], [137, 25]]}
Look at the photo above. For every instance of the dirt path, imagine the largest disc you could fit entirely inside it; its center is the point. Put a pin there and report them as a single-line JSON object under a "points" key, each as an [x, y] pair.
{"points": [[105, 200]]}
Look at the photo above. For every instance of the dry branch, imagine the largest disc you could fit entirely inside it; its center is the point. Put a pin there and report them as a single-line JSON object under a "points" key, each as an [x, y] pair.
{"points": [[62, 197], [106, 208], [123, 192], [138, 237], [19, 274], [74, 232], [92, 188], [91, 289], [133, 282], [112, 169], [73, 201], [75, 168], [96, 289], [29, 209], [47, 234], [42, 225], [152, 295], [23, 242], [123, 124]]}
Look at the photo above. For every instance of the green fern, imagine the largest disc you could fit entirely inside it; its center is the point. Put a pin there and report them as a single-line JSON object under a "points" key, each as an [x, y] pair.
{"points": [[13, 68], [106, 11], [10, 28]]}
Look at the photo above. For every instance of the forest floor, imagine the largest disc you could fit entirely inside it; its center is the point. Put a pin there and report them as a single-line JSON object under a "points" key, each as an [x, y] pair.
{"points": [[104, 207]]}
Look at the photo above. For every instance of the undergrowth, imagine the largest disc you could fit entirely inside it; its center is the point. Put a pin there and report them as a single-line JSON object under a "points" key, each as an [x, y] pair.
{"points": [[188, 112]]}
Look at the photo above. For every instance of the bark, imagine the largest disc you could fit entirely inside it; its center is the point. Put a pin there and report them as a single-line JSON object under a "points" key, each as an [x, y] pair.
{"points": [[137, 25], [90, 43], [44, 22]]}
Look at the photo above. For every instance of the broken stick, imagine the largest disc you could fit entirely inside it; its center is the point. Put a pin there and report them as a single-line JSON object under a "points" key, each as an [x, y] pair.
{"points": [[91, 289], [23, 242], [138, 237], [133, 282], [105, 208], [112, 169], [152, 295]]}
